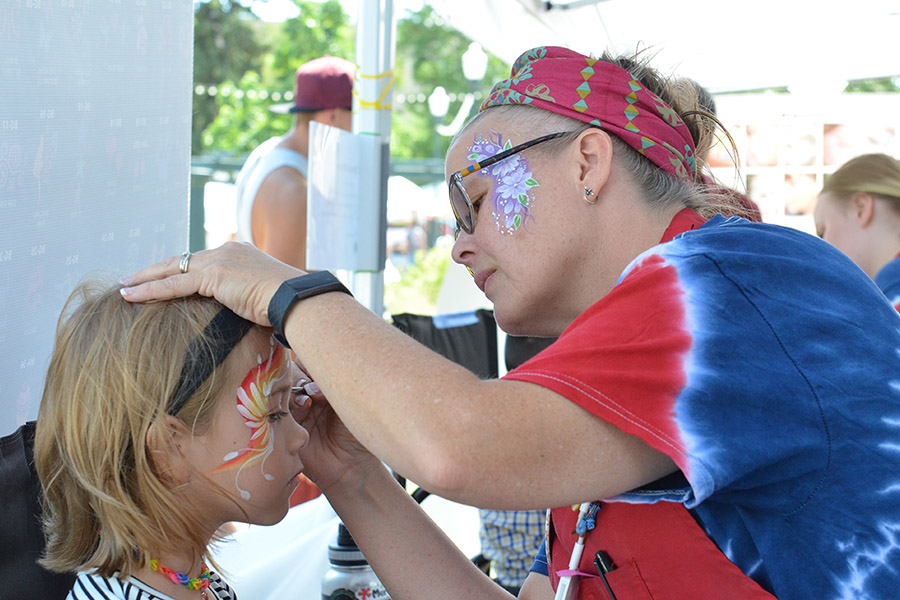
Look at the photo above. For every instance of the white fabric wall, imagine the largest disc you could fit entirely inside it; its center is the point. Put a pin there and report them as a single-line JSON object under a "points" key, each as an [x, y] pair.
{"points": [[95, 108]]}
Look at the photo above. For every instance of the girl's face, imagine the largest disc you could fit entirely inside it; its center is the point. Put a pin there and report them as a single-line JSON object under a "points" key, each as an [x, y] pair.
{"points": [[517, 253], [252, 448]]}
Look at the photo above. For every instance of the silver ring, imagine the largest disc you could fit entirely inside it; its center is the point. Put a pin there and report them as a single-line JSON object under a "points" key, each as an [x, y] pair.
{"points": [[183, 264]]}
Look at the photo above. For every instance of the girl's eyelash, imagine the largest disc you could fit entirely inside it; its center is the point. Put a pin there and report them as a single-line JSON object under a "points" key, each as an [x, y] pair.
{"points": [[277, 415]]}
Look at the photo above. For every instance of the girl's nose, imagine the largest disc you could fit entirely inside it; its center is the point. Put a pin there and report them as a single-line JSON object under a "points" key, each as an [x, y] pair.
{"points": [[299, 438]]}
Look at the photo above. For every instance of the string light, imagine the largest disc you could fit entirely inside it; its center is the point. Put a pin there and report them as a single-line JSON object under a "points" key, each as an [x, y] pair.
{"points": [[277, 96]]}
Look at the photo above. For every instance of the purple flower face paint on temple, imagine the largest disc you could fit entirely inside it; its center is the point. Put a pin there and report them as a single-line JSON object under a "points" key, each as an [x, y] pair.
{"points": [[512, 195]]}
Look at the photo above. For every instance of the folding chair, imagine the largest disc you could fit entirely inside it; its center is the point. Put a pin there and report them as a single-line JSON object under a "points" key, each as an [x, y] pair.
{"points": [[469, 339], [21, 538]]}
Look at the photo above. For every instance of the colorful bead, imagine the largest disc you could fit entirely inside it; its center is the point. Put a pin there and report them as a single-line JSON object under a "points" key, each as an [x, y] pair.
{"points": [[191, 583], [589, 520]]}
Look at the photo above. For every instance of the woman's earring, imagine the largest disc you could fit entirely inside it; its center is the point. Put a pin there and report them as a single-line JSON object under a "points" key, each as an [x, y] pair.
{"points": [[588, 192]]}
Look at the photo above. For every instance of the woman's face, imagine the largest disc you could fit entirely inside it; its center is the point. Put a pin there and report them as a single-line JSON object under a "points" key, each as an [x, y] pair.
{"points": [[835, 223], [252, 448], [515, 253]]}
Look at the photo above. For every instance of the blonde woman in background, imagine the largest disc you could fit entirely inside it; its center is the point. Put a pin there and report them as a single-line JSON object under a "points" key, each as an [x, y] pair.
{"points": [[859, 213]]}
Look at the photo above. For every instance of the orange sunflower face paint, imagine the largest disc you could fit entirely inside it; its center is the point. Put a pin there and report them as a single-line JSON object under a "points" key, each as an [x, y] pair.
{"points": [[253, 406]]}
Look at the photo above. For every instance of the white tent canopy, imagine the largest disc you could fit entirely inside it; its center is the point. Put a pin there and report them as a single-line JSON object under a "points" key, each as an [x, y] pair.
{"points": [[407, 202], [725, 46]]}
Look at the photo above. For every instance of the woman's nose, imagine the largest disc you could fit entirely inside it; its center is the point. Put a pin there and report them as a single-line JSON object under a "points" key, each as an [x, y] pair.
{"points": [[463, 251]]}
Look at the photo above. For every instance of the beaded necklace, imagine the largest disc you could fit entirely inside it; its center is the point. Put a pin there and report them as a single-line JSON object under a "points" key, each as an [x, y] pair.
{"points": [[191, 583]]}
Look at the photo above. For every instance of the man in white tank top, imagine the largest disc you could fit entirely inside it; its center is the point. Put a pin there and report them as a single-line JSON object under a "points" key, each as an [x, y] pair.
{"points": [[271, 186]]}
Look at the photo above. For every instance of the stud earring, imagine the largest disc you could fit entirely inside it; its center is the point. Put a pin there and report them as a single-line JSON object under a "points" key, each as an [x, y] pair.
{"points": [[588, 192]]}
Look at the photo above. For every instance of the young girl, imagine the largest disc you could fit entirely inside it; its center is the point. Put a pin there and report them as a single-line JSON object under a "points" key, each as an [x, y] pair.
{"points": [[158, 424]]}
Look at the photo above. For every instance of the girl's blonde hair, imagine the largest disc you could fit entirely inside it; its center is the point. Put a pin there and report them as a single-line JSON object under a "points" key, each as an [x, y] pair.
{"points": [[660, 189], [108, 504], [876, 174]]}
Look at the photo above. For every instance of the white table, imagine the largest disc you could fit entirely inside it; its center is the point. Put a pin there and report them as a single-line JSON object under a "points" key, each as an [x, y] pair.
{"points": [[287, 561]]}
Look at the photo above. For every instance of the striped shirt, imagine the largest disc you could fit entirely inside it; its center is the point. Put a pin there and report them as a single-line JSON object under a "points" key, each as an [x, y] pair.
{"points": [[90, 586]]}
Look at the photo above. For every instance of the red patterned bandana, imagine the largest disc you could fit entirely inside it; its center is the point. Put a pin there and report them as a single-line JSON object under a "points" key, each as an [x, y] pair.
{"points": [[602, 94]]}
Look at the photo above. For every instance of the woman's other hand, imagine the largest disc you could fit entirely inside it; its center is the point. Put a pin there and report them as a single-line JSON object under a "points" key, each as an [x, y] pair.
{"points": [[240, 276], [333, 458]]}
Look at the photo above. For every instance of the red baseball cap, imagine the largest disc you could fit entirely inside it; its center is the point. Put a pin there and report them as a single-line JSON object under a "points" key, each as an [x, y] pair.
{"points": [[322, 83]]}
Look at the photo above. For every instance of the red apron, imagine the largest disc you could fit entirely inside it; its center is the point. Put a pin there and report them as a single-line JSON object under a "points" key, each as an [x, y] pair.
{"points": [[659, 551]]}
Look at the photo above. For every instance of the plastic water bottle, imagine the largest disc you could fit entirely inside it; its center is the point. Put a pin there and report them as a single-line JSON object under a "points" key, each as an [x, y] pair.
{"points": [[350, 577]]}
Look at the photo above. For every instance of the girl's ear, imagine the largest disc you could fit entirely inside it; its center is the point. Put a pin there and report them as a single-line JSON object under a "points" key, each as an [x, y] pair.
{"points": [[594, 156], [164, 444], [863, 206]]}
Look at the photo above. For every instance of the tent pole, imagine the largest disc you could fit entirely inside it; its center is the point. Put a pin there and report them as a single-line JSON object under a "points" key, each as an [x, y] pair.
{"points": [[372, 116]]}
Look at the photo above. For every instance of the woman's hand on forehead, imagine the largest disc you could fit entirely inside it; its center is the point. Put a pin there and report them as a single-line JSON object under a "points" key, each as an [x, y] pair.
{"points": [[240, 276]]}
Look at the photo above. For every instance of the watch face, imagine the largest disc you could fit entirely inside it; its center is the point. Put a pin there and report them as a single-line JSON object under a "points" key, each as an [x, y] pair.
{"points": [[296, 289]]}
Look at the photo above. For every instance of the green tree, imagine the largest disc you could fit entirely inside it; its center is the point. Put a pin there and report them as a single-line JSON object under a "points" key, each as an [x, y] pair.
{"points": [[429, 54], [241, 116], [321, 28], [880, 84], [225, 47], [244, 120]]}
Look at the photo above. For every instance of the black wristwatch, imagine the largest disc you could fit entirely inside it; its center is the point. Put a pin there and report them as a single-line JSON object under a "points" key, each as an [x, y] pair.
{"points": [[298, 288]]}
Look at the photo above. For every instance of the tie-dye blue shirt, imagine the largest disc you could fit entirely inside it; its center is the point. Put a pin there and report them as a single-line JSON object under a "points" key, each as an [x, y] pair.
{"points": [[888, 279], [767, 365]]}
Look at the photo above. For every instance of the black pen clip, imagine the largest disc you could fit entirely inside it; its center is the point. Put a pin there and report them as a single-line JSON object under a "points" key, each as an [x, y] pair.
{"points": [[603, 562], [604, 565]]}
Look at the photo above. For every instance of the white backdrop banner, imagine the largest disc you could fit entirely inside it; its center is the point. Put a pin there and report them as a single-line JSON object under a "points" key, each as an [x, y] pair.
{"points": [[95, 107]]}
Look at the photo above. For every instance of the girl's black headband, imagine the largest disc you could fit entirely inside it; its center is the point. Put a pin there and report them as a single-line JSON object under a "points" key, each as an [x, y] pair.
{"points": [[206, 353]]}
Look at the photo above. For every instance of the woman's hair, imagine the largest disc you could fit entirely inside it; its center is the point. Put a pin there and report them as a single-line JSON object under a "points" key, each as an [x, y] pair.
{"points": [[661, 189], [108, 504], [876, 174]]}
